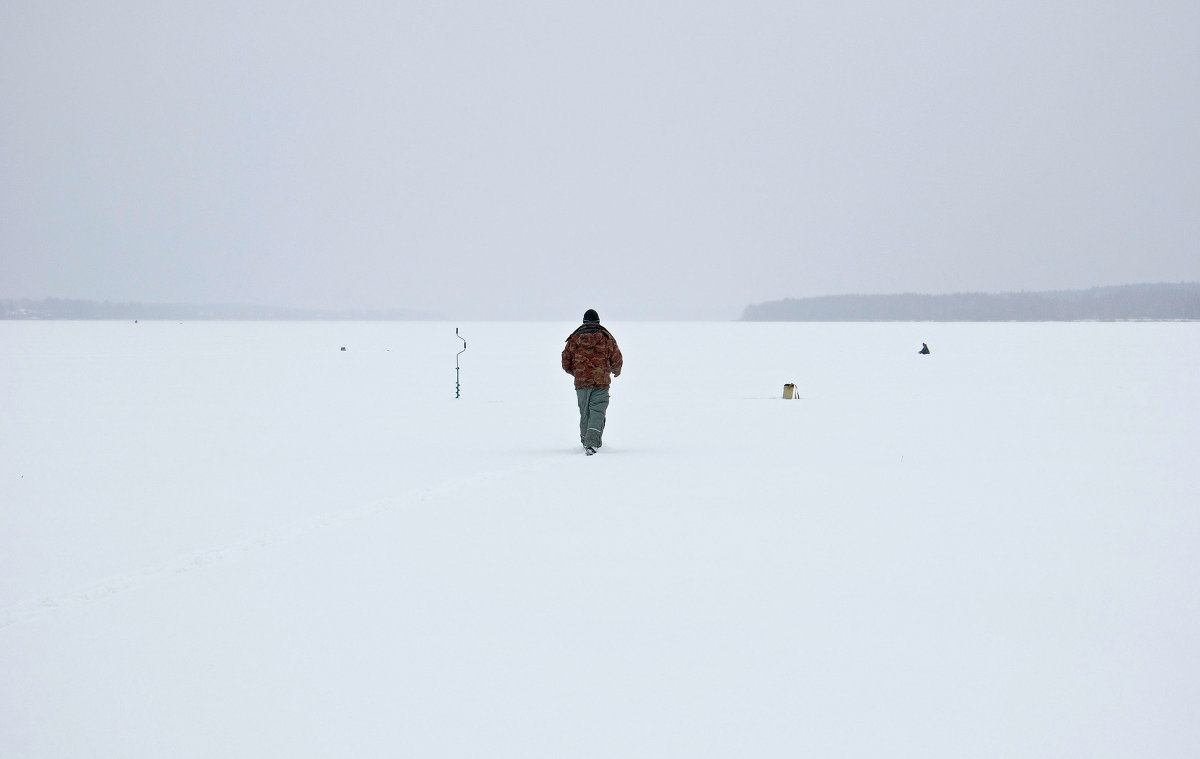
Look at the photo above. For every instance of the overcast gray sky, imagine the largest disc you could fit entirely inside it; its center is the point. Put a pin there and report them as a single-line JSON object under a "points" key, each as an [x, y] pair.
{"points": [[648, 159]]}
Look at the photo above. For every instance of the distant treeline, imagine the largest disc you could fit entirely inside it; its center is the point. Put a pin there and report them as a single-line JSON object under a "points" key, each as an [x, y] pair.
{"points": [[1127, 302], [59, 308]]}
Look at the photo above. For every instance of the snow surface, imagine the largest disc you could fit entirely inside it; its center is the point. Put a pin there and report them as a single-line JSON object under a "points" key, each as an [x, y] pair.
{"points": [[237, 540]]}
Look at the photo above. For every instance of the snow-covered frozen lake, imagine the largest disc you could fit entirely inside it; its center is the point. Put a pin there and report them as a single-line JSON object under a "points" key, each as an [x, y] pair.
{"points": [[237, 540]]}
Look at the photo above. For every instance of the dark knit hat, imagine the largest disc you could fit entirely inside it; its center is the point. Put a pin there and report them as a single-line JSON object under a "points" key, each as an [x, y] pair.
{"points": [[591, 317]]}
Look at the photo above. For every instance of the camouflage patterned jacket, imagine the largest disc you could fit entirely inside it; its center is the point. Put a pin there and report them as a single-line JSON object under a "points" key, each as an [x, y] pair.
{"points": [[591, 354]]}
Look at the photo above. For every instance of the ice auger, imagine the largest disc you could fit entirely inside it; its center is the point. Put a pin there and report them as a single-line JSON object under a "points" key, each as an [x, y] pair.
{"points": [[457, 384]]}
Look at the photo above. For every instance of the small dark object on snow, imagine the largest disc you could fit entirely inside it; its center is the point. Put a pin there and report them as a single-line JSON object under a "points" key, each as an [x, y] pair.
{"points": [[343, 348], [924, 349]]}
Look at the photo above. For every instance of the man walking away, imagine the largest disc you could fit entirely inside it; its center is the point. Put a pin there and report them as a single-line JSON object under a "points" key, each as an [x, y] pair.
{"points": [[590, 357]]}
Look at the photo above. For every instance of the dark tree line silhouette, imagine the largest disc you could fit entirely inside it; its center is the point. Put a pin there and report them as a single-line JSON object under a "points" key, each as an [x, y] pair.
{"points": [[61, 308], [1126, 302]]}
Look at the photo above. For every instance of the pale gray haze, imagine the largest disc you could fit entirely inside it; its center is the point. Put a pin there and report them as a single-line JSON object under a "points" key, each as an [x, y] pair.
{"points": [[652, 160]]}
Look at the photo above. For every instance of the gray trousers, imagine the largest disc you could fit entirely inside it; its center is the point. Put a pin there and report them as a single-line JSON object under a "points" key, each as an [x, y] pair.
{"points": [[593, 403]]}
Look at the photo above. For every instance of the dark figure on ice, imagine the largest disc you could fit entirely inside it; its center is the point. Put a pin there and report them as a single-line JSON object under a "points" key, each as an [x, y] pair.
{"points": [[590, 356], [924, 350]]}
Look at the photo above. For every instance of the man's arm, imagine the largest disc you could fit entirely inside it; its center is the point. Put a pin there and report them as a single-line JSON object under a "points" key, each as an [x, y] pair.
{"points": [[615, 360], [568, 359]]}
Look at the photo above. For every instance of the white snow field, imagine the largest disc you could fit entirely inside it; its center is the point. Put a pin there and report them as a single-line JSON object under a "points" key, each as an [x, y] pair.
{"points": [[237, 540]]}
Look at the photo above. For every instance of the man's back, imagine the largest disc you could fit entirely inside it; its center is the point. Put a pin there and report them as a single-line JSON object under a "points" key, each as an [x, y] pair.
{"points": [[591, 354]]}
